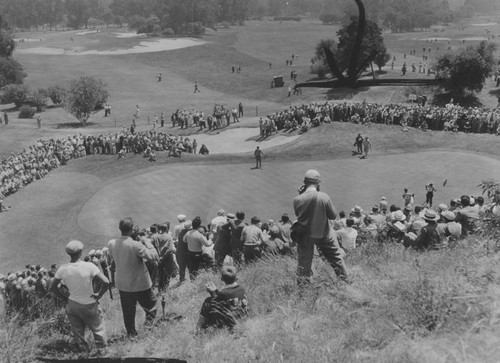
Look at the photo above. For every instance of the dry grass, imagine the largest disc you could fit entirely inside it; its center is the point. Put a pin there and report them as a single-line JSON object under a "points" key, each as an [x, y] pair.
{"points": [[401, 307]]}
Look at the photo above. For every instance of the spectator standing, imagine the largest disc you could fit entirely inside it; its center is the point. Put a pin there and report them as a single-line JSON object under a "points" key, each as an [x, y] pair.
{"points": [[83, 303], [132, 278], [314, 209]]}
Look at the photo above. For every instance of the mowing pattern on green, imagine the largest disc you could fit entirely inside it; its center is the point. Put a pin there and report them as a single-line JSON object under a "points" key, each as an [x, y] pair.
{"points": [[162, 194]]}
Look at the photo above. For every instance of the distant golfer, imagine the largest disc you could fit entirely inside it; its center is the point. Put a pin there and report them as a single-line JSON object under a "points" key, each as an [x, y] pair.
{"points": [[359, 144], [258, 157], [367, 146], [196, 89], [159, 77], [430, 189], [39, 122]]}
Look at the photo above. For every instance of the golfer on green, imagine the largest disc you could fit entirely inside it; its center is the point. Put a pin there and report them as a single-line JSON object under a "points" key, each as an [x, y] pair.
{"points": [[258, 157]]}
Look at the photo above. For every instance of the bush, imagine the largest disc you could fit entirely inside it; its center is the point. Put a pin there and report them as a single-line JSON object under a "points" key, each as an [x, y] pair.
{"points": [[168, 32], [287, 18], [16, 94], [327, 18], [56, 94], [38, 99], [26, 111]]}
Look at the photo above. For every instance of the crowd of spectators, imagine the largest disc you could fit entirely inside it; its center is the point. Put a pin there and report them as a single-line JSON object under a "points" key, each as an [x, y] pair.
{"points": [[36, 161], [452, 117], [190, 245]]}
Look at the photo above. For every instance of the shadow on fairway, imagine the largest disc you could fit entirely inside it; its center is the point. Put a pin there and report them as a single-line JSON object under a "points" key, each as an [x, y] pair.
{"points": [[73, 125]]}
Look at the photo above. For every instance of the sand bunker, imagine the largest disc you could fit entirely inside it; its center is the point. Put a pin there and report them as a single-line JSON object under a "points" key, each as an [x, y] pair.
{"points": [[474, 38], [433, 39], [159, 45], [127, 35], [22, 40], [87, 32], [239, 140], [485, 24]]}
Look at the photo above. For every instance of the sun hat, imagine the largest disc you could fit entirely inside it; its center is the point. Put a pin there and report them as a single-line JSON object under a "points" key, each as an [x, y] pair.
{"points": [[11, 277], [231, 216], [188, 224], [311, 176], [105, 249], [442, 207], [220, 212], [98, 253], [73, 247], [431, 215], [92, 252], [399, 215], [357, 209], [448, 215]]}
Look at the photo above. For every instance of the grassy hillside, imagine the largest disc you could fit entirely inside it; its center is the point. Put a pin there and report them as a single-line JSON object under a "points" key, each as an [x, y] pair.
{"points": [[401, 307]]}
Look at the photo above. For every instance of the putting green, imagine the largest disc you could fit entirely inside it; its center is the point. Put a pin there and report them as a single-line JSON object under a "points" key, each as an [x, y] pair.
{"points": [[161, 193]]}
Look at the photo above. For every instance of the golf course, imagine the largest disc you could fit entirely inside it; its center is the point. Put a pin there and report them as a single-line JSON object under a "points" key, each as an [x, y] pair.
{"points": [[86, 199]]}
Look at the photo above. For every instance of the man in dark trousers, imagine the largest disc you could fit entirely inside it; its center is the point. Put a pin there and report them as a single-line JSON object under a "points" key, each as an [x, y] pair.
{"points": [[258, 157], [240, 110], [314, 209], [132, 278], [359, 143]]}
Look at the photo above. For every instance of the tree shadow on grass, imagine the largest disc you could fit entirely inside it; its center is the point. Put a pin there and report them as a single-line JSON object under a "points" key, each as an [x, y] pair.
{"points": [[73, 125], [344, 93], [471, 100]]}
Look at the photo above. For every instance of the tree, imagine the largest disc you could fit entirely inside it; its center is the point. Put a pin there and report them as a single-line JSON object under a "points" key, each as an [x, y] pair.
{"points": [[16, 94], [56, 94], [84, 95], [78, 12], [372, 42], [464, 72], [319, 64], [7, 44], [11, 72]]}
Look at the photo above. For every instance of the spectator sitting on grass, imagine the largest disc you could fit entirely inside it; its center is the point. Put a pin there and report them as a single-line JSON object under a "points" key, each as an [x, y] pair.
{"points": [[223, 307]]}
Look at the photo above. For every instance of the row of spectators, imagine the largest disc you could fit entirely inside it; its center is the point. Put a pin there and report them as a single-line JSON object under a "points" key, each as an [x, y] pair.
{"points": [[36, 161], [449, 118], [193, 246]]}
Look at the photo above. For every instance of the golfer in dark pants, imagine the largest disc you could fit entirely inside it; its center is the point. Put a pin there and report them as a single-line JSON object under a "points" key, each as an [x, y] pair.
{"points": [[258, 157]]}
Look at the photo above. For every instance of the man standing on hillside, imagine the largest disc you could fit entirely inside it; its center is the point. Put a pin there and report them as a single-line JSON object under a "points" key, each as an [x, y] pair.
{"points": [[258, 157], [83, 304], [132, 278], [314, 209]]}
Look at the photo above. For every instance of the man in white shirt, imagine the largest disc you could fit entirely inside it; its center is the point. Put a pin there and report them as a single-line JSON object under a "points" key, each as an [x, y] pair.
{"points": [[348, 236], [82, 303]]}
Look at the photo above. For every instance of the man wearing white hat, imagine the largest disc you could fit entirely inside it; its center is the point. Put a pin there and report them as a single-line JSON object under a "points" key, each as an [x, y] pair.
{"points": [[429, 238], [314, 209], [83, 303]]}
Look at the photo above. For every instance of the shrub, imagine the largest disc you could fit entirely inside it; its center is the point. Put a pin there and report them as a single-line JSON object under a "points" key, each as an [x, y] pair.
{"points": [[328, 18], [168, 32], [38, 99], [56, 94], [16, 94], [26, 111]]}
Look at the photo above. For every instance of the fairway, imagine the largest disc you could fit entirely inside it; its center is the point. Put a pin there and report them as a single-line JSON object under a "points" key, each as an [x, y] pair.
{"points": [[162, 193]]}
